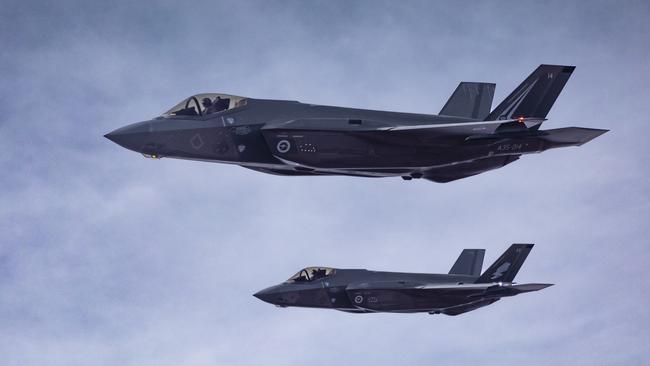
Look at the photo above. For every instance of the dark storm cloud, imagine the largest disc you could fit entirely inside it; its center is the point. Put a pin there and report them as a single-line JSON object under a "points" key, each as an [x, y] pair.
{"points": [[108, 258]]}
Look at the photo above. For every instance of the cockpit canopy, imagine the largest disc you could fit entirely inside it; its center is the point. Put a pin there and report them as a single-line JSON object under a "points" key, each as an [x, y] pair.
{"points": [[311, 274], [205, 104]]}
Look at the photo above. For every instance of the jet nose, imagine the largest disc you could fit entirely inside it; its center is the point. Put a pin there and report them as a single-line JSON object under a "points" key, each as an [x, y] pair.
{"points": [[114, 136], [277, 295], [266, 295], [132, 137]]}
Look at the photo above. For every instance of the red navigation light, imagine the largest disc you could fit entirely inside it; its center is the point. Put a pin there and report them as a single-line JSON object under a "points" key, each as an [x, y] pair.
{"points": [[521, 119]]}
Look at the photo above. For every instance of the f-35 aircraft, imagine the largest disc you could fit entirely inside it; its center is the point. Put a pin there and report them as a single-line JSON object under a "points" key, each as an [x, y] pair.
{"points": [[292, 138], [361, 291]]}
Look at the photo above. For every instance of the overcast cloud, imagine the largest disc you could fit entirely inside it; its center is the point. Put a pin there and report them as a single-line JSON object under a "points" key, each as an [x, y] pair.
{"points": [[107, 258]]}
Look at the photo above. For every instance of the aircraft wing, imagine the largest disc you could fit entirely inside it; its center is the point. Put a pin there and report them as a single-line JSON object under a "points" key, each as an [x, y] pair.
{"points": [[464, 170], [493, 296], [356, 136], [457, 310], [414, 296], [359, 145], [463, 126], [409, 296]]}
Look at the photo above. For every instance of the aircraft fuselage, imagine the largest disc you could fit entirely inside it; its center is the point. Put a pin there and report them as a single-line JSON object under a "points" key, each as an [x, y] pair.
{"points": [[292, 138]]}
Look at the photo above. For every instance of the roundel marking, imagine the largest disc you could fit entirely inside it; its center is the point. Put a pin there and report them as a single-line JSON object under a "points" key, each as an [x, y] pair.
{"points": [[283, 146], [358, 299]]}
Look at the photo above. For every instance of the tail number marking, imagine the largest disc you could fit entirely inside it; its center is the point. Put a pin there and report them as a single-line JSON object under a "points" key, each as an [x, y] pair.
{"points": [[510, 147]]}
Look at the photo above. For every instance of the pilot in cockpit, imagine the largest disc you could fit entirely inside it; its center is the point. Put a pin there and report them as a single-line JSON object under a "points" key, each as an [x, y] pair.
{"points": [[217, 105], [207, 103], [221, 104], [317, 273]]}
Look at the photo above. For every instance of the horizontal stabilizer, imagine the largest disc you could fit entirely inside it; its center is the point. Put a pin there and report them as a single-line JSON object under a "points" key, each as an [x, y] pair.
{"points": [[575, 136], [470, 100], [508, 289], [469, 263], [529, 287]]}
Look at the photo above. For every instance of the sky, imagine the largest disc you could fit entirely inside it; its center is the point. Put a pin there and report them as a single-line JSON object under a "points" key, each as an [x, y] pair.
{"points": [[108, 258]]}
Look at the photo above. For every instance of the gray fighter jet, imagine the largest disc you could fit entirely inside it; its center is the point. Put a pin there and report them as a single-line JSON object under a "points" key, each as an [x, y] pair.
{"points": [[292, 138], [361, 291]]}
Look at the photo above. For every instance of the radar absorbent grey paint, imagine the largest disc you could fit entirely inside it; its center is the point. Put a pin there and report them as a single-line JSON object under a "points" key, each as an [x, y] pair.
{"points": [[362, 291], [292, 138]]}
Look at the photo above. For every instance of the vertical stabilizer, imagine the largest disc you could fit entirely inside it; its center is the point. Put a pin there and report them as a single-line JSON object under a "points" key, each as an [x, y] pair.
{"points": [[470, 100], [470, 262], [536, 95], [506, 267]]}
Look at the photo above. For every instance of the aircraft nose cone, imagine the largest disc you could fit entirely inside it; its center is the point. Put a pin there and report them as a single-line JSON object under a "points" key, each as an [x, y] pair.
{"points": [[276, 295], [266, 295], [113, 137], [132, 137]]}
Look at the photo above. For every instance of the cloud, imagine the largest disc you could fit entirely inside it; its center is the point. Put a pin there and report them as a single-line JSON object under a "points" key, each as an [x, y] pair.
{"points": [[108, 258]]}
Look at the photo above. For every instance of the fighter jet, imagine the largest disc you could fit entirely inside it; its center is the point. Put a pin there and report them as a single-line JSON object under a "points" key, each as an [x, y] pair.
{"points": [[362, 291], [291, 138]]}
